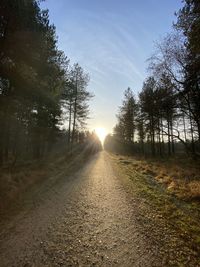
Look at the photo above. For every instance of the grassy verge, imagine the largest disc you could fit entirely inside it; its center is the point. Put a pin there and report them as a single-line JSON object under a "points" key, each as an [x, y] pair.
{"points": [[173, 214]]}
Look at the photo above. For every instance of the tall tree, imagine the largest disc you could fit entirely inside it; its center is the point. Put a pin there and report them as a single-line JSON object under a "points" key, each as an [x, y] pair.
{"points": [[79, 108], [127, 117], [149, 107], [188, 21]]}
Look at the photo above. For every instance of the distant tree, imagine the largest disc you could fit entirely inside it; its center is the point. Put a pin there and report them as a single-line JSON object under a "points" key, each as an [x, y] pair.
{"points": [[140, 123], [127, 117], [149, 108], [167, 110]]}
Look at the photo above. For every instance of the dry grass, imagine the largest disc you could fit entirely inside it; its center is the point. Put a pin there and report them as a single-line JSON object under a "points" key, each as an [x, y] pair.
{"points": [[180, 176], [15, 181], [194, 189]]}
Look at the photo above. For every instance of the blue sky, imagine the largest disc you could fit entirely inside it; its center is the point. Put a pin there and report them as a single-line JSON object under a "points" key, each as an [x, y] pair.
{"points": [[111, 40]]}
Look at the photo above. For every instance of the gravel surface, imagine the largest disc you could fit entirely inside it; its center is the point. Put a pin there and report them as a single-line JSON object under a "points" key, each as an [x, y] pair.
{"points": [[84, 219]]}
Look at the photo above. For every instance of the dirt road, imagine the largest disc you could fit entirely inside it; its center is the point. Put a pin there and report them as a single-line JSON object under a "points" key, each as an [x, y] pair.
{"points": [[85, 219]]}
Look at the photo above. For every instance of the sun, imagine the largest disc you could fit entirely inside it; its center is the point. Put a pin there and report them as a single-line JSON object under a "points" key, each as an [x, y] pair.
{"points": [[101, 133]]}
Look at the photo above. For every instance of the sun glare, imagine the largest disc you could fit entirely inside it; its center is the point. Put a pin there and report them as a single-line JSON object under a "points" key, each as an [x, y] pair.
{"points": [[101, 133]]}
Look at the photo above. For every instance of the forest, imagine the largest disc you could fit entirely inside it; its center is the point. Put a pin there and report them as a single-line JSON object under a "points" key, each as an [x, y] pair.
{"points": [[44, 100], [164, 119]]}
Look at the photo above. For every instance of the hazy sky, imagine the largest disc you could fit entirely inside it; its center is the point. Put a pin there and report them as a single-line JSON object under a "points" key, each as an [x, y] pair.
{"points": [[111, 39]]}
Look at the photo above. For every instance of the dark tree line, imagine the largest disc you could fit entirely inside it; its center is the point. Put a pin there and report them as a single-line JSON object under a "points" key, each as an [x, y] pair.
{"points": [[166, 115], [38, 88]]}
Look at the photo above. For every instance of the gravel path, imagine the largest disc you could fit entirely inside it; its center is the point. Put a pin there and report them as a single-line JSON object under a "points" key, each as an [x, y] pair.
{"points": [[85, 219]]}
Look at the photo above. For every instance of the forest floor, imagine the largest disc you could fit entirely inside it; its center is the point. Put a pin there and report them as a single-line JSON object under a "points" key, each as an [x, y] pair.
{"points": [[106, 213], [17, 179]]}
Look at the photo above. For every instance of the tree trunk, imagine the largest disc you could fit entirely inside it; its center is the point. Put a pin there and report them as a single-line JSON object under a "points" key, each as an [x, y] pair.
{"points": [[184, 128], [75, 111], [70, 119], [172, 138], [159, 139], [192, 135], [169, 142], [163, 143], [152, 137]]}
